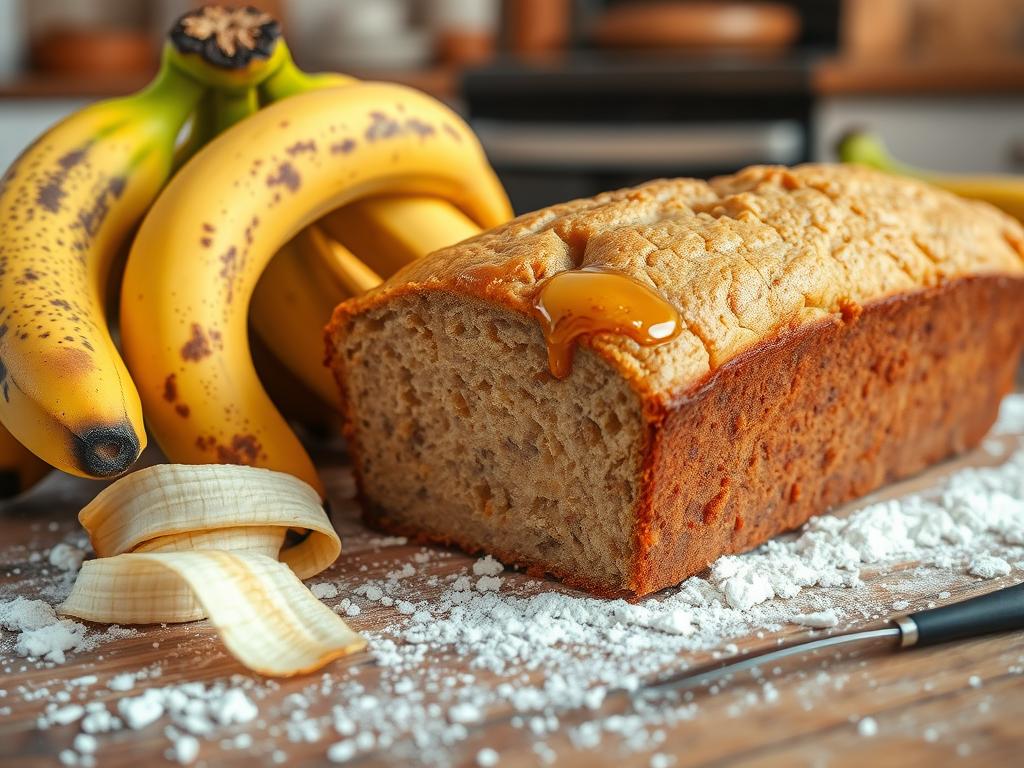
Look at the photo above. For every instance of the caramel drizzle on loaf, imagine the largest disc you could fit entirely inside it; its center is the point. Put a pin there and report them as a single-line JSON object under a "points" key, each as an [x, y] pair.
{"points": [[599, 299]]}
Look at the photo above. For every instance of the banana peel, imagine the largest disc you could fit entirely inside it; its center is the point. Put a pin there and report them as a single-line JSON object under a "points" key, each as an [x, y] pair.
{"points": [[181, 543]]}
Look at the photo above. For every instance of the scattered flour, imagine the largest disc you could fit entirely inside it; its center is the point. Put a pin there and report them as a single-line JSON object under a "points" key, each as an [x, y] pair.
{"points": [[122, 682], [1011, 416], [42, 634], [458, 646], [324, 590], [819, 620], [67, 557], [988, 566], [867, 727], [487, 566]]}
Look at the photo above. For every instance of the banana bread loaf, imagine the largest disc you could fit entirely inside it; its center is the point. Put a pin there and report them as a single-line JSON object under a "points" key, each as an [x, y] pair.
{"points": [[839, 329]]}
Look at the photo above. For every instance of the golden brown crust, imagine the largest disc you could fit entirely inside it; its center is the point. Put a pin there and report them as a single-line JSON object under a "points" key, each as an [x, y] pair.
{"points": [[740, 257], [821, 415]]}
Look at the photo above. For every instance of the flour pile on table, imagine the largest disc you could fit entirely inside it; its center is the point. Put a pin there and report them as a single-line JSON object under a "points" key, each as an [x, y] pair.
{"points": [[539, 655], [39, 632]]}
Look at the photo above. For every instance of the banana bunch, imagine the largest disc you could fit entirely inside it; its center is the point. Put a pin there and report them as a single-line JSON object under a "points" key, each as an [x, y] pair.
{"points": [[326, 184], [68, 206], [320, 184], [1005, 192]]}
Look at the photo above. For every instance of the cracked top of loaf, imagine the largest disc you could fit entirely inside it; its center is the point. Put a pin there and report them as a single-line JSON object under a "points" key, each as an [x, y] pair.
{"points": [[741, 257]]}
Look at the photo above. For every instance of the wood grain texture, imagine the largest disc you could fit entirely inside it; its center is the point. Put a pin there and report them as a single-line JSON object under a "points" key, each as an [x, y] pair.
{"points": [[927, 710]]}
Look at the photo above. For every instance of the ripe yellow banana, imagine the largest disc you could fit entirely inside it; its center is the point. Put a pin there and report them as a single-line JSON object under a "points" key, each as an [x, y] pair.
{"points": [[20, 469], [353, 276], [66, 206], [386, 233], [390, 231], [1002, 191], [201, 249], [310, 276], [294, 299], [299, 289]]}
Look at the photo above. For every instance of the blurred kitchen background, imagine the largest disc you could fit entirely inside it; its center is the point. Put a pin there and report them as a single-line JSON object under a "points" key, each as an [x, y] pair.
{"points": [[571, 97]]}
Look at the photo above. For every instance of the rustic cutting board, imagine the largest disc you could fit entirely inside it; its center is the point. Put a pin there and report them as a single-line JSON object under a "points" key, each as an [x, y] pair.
{"points": [[957, 704]]}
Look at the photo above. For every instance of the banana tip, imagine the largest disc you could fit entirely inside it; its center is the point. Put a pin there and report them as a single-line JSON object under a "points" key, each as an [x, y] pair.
{"points": [[106, 451]]}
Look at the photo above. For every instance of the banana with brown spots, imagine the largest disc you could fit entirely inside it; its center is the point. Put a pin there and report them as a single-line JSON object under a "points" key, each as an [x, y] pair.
{"points": [[203, 246], [67, 205]]}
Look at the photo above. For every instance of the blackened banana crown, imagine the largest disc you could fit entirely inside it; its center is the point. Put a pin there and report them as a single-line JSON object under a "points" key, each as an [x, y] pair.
{"points": [[226, 37]]}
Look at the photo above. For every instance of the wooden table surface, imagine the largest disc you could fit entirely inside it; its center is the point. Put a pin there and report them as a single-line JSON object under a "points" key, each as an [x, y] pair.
{"points": [[961, 704]]}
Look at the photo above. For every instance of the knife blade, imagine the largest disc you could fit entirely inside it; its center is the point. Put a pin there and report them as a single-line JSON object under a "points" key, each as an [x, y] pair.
{"points": [[998, 611]]}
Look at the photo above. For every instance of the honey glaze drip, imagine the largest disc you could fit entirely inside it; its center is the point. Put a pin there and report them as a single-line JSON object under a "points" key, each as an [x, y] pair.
{"points": [[600, 300]]}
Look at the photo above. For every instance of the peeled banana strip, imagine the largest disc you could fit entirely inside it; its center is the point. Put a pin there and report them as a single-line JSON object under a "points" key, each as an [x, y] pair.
{"points": [[179, 543], [266, 617], [169, 499]]}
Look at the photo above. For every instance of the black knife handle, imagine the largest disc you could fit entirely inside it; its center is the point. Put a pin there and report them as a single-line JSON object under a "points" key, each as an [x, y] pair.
{"points": [[999, 611]]}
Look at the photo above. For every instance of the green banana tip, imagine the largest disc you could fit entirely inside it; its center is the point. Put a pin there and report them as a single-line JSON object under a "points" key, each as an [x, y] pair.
{"points": [[863, 147]]}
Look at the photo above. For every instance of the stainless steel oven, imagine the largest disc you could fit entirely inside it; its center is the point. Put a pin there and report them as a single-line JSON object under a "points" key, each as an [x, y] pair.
{"points": [[577, 126]]}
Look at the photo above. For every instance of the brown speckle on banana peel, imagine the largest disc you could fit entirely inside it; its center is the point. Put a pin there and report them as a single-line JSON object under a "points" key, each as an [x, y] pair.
{"points": [[171, 388], [233, 261], [171, 396], [285, 176], [343, 147], [301, 146], [50, 192], [240, 449], [92, 218], [450, 130], [383, 126], [198, 345]]}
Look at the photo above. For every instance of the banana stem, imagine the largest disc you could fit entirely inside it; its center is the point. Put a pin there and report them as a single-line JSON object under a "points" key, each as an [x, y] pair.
{"points": [[230, 108], [170, 98], [217, 111], [289, 80], [200, 131]]}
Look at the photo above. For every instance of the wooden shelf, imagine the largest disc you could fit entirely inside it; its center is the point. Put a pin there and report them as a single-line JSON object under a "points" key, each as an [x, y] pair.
{"points": [[45, 86], [921, 76]]}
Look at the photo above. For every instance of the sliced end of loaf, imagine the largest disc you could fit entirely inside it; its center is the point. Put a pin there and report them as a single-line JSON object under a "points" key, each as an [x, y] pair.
{"points": [[461, 435]]}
